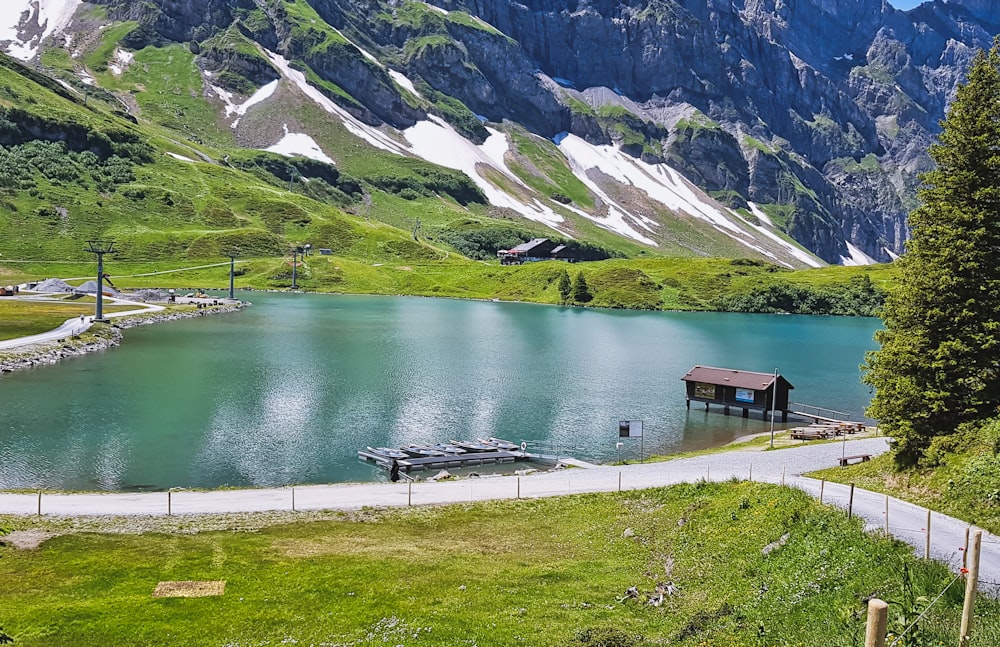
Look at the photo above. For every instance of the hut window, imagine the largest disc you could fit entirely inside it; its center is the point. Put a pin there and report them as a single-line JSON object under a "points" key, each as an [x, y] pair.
{"points": [[704, 390]]}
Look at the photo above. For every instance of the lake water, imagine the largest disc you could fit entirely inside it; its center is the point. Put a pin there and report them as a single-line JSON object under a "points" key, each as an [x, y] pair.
{"points": [[286, 391]]}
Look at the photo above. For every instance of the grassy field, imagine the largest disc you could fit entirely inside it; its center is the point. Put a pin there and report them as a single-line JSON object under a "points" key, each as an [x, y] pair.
{"points": [[22, 318], [645, 283], [752, 564]]}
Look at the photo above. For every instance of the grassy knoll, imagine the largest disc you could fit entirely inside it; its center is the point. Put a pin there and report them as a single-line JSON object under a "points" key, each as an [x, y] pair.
{"points": [[23, 318], [542, 572], [960, 476]]}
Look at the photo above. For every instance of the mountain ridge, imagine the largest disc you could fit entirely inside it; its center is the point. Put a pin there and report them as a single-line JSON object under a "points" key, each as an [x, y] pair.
{"points": [[788, 131]]}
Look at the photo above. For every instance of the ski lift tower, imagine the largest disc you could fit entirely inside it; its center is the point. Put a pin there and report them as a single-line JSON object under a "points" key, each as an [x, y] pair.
{"points": [[100, 247]]}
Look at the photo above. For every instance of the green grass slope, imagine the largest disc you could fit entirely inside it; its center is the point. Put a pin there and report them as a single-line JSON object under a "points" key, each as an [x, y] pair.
{"points": [[752, 565]]}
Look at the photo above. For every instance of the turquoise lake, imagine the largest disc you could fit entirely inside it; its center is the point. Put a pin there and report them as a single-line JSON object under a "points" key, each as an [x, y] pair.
{"points": [[286, 391]]}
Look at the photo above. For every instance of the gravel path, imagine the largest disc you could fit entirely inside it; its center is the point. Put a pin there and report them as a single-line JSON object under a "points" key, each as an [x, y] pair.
{"points": [[907, 522], [77, 325]]}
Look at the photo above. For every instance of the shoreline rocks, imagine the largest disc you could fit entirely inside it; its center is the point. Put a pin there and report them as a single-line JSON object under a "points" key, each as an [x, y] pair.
{"points": [[97, 338]]}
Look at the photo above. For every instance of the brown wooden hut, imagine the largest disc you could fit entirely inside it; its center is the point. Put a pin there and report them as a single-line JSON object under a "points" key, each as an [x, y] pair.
{"points": [[733, 388]]}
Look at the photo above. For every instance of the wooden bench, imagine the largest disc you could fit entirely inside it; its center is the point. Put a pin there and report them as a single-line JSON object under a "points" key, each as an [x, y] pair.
{"points": [[861, 458]]}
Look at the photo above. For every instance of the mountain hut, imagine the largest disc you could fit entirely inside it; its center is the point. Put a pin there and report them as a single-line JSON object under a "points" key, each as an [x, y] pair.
{"points": [[733, 388]]}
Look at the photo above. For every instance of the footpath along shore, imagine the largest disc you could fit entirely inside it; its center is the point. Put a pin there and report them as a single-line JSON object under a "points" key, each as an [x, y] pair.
{"points": [[906, 522], [62, 342]]}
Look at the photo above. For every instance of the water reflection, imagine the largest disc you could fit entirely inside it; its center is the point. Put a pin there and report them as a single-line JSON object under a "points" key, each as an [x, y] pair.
{"points": [[288, 390]]}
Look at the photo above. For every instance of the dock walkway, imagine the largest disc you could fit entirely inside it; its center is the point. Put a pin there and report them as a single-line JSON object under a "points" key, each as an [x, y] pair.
{"points": [[449, 460]]}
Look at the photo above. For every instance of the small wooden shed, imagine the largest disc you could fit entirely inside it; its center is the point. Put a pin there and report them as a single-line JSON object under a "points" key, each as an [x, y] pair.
{"points": [[734, 388]]}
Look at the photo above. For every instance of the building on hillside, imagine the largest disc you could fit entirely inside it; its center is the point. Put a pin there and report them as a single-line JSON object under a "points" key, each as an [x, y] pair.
{"points": [[743, 389], [563, 253], [536, 249]]}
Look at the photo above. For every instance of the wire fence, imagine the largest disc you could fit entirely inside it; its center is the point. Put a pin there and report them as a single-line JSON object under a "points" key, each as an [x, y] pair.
{"points": [[923, 613]]}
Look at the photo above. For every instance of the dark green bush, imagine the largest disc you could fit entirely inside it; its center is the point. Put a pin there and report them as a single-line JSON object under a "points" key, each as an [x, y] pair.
{"points": [[859, 297]]}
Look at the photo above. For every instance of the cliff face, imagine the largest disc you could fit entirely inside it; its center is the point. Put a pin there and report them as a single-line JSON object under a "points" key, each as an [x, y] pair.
{"points": [[819, 112], [831, 82]]}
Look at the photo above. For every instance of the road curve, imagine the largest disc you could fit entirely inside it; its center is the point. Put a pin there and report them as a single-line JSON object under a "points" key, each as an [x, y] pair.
{"points": [[906, 521]]}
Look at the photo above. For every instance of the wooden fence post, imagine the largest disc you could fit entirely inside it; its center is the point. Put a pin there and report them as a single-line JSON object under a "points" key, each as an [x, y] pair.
{"points": [[822, 485], [39, 503], [887, 514], [965, 549], [519, 487], [169, 493], [927, 550], [409, 493], [850, 504], [971, 583], [878, 617], [293, 499]]}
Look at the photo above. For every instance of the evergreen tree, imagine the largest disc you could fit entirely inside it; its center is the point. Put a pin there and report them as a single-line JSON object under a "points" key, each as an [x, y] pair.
{"points": [[565, 287], [939, 362], [580, 291]]}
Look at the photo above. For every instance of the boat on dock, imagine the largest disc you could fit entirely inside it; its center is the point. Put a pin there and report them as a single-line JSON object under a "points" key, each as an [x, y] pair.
{"points": [[422, 451], [448, 448], [500, 443], [387, 453], [456, 453], [474, 446]]}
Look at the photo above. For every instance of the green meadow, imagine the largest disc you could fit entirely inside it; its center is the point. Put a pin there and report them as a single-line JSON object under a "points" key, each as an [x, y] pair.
{"points": [[747, 564]]}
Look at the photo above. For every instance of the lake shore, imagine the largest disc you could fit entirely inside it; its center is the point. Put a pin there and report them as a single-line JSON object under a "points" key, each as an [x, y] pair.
{"points": [[96, 339]]}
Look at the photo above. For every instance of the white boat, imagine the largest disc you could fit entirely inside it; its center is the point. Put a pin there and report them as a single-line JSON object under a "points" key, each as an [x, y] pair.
{"points": [[388, 453], [474, 446], [422, 451], [448, 448], [500, 443]]}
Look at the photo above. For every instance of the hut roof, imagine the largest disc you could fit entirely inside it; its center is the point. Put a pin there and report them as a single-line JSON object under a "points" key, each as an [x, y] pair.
{"points": [[530, 245], [733, 377]]}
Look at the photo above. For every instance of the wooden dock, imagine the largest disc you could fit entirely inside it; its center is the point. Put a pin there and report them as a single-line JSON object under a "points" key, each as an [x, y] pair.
{"points": [[449, 460]]}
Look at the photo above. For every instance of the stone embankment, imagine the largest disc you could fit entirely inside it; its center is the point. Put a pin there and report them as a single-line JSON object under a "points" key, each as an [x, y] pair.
{"points": [[97, 338]]}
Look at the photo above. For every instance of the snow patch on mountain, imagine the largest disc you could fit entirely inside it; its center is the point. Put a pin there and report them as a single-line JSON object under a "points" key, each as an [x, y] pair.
{"points": [[363, 51], [438, 9], [24, 24], [122, 59], [404, 82], [857, 257], [293, 144], [668, 187], [437, 142], [373, 136], [232, 108]]}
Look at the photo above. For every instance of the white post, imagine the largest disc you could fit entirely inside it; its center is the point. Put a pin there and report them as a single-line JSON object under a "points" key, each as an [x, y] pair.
{"points": [[927, 548], [774, 401]]}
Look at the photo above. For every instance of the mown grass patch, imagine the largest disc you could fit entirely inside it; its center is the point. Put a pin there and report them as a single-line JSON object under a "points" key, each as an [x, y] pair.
{"points": [[540, 572], [23, 318]]}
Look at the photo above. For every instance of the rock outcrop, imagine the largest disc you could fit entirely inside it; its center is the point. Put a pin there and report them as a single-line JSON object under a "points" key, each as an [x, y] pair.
{"points": [[820, 110]]}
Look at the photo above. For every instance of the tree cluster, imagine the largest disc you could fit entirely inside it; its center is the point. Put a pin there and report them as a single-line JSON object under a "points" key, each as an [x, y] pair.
{"points": [[938, 367]]}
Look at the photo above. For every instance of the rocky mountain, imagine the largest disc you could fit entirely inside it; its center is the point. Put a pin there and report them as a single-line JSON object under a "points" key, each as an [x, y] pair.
{"points": [[682, 126]]}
